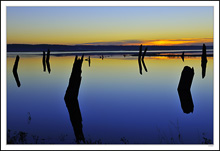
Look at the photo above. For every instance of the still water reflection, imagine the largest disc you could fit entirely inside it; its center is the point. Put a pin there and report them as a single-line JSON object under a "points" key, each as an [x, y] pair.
{"points": [[117, 104]]}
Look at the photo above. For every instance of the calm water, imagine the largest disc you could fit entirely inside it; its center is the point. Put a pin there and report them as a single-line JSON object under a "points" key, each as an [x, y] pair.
{"points": [[116, 102]]}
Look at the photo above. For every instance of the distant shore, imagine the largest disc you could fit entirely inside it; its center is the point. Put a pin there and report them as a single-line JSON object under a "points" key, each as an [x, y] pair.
{"points": [[76, 48]]}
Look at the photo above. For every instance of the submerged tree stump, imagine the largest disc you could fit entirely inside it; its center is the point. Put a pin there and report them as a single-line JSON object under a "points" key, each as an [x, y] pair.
{"points": [[139, 59], [71, 99], [203, 60], [15, 73], [184, 89], [48, 60]]}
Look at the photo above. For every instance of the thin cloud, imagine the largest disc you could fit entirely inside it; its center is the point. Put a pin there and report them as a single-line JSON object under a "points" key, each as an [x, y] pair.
{"points": [[122, 42]]}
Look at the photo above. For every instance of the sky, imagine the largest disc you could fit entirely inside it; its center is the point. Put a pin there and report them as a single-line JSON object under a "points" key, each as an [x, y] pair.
{"points": [[110, 25]]}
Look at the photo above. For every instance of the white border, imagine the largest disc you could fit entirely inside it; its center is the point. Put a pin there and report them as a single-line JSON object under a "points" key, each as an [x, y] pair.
{"points": [[110, 3], [110, 147]]}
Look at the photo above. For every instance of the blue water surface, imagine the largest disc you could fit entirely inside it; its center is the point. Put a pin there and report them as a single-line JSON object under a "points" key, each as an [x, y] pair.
{"points": [[117, 104]]}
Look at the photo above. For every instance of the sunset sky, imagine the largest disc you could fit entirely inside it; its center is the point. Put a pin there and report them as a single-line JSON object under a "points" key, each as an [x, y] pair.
{"points": [[110, 25]]}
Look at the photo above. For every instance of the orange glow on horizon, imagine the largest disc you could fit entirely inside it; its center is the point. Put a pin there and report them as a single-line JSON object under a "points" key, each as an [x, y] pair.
{"points": [[159, 42], [156, 42], [167, 43], [176, 42]]}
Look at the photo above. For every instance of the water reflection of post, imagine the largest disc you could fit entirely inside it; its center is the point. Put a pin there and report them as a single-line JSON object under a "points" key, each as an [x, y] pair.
{"points": [[44, 63], [48, 60], [203, 60], [184, 89], [89, 61], [15, 73], [139, 59], [71, 99], [145, 68]]}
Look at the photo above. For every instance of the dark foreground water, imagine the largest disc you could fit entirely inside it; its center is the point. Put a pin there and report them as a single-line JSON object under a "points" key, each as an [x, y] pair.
{"points": [[117, 103]]}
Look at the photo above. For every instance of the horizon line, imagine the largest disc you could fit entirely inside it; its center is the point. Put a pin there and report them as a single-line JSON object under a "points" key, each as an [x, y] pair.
{"points": [[109, 45]]}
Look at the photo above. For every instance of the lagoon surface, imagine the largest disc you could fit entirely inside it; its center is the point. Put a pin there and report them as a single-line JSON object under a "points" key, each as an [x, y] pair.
{"points": [[117, 103]]}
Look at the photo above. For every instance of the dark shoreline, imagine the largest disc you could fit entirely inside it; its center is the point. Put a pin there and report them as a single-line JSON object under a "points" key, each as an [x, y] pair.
{"points": [[43, 47], [112, 54]]}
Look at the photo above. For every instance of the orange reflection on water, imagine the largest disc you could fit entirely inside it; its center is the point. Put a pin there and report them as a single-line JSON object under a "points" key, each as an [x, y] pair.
{"points": [[109, 65]]}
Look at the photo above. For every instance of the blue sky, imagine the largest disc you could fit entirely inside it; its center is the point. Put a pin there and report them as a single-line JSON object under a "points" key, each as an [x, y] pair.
{"points": [[79, 25]]}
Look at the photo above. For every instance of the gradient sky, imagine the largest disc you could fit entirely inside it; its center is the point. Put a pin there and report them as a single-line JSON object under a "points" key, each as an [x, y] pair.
{"points": [[110, 25]]}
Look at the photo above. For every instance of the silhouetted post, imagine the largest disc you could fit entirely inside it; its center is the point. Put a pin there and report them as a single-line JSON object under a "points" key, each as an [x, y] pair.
{"points": [[71, 99], [89, 61], [15, 71], [44, 63], [182, 56], [145, 68], [102, 57], [203, 61], [139, 59], [48, 60], [184, 89], [145, 50]]}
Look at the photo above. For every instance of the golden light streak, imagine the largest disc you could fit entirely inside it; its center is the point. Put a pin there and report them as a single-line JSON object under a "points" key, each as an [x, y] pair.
{"points": [[173, 42]]}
